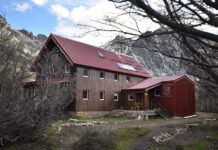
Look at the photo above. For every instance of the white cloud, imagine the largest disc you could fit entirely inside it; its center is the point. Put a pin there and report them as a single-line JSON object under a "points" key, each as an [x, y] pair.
{"points": [[22, 7], [60, 11], [69, 18], [39, 2], [75, 3]]}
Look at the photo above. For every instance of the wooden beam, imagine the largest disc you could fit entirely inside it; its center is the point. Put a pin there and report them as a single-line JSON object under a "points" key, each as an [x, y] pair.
{"points": [[146, 100]]}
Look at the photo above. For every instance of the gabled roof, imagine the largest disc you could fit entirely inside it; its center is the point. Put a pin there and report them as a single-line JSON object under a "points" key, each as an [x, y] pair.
{"points": [[153, 82], [86, 55]]}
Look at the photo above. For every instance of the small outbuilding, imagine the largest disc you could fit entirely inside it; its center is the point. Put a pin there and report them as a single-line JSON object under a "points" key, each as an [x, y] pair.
{"points": [[173, 94]]}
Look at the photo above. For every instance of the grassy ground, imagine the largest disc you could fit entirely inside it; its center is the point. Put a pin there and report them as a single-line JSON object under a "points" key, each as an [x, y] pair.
{"points": [[127, 136], [201, 145], [202, 137], [105, 119], [100, 119]]}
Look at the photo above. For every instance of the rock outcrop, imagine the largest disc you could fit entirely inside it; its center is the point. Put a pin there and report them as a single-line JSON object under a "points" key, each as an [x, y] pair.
{"points": [[158, 65], [32, 44]]}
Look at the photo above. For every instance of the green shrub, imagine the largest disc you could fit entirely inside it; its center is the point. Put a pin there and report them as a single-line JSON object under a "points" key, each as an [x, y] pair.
{"points": [[95, 139], [127, 136], [202, 145]]}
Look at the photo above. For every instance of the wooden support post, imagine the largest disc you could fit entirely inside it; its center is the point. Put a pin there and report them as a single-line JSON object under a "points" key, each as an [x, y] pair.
{"points": [[146, 100], [134, 100]]}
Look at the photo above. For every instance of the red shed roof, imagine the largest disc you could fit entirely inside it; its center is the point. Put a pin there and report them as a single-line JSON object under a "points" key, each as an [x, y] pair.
{"points": [[86, 55], [153, 82]]}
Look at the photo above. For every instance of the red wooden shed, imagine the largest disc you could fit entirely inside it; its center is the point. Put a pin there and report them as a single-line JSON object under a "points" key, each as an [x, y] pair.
{"points": [[173, 94]]}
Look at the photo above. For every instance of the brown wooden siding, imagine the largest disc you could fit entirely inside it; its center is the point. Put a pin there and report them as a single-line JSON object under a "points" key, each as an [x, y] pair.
{"points": [[126, 103], [94, 84]]}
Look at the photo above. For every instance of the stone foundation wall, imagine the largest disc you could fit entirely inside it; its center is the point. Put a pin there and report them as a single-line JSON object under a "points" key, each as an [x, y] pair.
{"points": [[132, 113], [90, 114]]}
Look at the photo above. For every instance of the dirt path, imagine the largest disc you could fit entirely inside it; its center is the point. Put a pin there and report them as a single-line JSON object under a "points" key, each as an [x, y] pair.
{"points": [[157, 126], [205, 131], [159, 122]]}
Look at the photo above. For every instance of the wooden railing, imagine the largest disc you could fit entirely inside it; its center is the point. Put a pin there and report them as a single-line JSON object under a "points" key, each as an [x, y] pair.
{"points": [[161, 106]]}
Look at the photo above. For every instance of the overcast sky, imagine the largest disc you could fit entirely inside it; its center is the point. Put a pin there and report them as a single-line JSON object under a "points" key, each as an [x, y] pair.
{"points": [[62, 16]]}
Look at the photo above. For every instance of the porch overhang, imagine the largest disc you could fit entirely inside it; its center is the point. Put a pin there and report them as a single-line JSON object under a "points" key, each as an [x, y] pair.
{"points": [[151, 83], [142, 89]]}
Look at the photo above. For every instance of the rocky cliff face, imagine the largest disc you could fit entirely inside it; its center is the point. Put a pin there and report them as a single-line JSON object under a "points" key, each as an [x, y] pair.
{"points": [[32, 44], [158, 65], [155, 63]]}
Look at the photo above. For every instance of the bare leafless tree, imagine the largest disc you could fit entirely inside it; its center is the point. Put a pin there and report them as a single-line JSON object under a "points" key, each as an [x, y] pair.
{"points": [[192, 23], [25, 112]]}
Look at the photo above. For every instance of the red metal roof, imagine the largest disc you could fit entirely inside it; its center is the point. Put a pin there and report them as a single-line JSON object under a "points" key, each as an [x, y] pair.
{"points": [[152, 82], [86, 55]]}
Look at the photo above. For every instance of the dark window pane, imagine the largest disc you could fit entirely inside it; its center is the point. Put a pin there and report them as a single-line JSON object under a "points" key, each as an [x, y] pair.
{"points": [[85, 94], [115, 96], [128, 79], [85, 73], [102, 75], [116, 77], [157, 91], [130, 96], [101, 95]]}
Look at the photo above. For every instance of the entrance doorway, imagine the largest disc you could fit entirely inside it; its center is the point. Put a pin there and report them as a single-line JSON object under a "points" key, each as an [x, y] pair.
{"points": [[140, 101]]}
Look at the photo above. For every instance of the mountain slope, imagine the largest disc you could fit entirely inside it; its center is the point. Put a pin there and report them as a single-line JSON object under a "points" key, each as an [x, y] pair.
{"points": [[158, 65], [32, 44], [155, 63]]}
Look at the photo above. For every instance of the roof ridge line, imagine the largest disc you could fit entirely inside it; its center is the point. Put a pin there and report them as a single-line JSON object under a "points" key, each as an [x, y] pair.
{"points": [[127, 55], [92, 45], [83, 43]]}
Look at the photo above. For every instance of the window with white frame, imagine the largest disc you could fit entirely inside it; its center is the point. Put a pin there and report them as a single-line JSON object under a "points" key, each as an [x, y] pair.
{"points": [[128, 79], [116, 96], [85, 72], [101, 95], [67, 69], [130, 96], [102, 74], [116, 77], [85, 94]]}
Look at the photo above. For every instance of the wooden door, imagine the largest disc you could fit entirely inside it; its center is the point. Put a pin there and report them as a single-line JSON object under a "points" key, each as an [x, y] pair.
{"points": [[139, 102]]}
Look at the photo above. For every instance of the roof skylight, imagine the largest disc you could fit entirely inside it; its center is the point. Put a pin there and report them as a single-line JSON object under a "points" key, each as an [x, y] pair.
{"points": [[127, 67], [100, 54]]}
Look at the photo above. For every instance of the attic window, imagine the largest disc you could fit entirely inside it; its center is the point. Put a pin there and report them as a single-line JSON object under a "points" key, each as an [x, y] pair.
{"points": [[128, 79], [101, 75], [100, 54], [116, 77], [85, 73], [127, 67]]}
